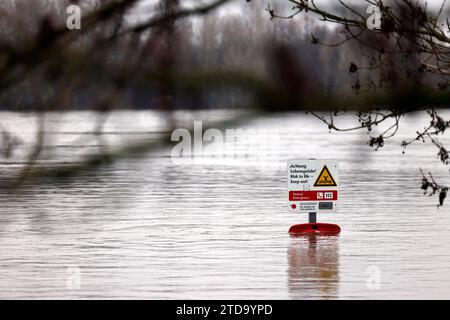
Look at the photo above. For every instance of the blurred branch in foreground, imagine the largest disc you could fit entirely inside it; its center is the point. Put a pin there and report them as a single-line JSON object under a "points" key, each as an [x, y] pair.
{"points": [[130, 54], [407, 45]]}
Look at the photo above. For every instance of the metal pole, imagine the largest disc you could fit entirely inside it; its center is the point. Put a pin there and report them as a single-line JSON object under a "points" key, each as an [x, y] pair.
{"points": [[312, 217]]}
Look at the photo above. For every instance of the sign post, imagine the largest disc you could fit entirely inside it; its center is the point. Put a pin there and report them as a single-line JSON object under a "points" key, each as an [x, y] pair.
{"points": [[313, 187]]}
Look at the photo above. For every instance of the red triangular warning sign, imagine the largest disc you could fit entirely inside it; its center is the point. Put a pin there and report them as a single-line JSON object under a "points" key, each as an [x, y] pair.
{"points": [[325, 179]]}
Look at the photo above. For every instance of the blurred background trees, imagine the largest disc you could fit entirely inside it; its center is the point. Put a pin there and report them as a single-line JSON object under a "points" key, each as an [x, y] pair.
{"points": [[36, 44], [170, 54]]}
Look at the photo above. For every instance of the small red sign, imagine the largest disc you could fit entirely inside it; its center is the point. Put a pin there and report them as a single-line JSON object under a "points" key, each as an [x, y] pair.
{"points": [[331, 195]]}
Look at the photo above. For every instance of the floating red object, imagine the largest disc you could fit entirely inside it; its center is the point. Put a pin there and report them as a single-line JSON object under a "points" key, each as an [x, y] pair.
{"points": [[314, 228]]}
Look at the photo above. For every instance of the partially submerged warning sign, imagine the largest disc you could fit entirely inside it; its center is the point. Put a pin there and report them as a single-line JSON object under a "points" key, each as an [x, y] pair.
{"points": [[313, 185]]}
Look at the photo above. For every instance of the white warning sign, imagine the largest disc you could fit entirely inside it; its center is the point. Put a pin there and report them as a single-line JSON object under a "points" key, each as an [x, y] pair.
{"points": [[313, 185]]}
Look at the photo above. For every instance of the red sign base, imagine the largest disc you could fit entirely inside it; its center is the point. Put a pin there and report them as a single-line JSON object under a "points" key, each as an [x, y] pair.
{"points": [[326, 229]]}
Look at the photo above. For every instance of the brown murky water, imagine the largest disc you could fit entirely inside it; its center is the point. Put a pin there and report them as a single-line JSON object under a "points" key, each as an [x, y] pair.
{"points": [[147, 227]]}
